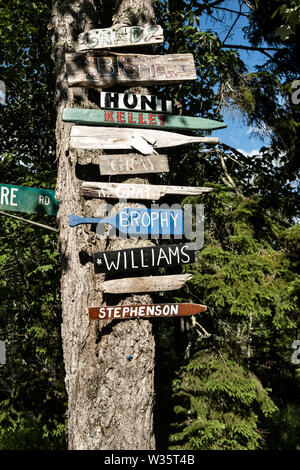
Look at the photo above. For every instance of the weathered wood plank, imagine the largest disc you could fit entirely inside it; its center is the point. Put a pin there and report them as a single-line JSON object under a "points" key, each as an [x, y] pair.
{"points": [[145, 284], [137, 191], [114, 138], [135, 102], [147, 257], [129, 164], [120, 36], [138, 221], [124, 312], [104, 117], [103, 69]]}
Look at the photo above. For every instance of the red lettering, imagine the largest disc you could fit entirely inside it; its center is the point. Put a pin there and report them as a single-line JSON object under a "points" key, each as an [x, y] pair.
{"points": [[162, 119], [130, 119], [121, 116], [152, 119], [108, 116], [141, 119]]}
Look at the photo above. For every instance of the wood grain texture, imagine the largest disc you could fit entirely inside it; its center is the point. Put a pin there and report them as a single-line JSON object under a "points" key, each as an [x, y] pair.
{"points": [[114, 138], [145, 284], [119, 36], [137, 191], [104, 70], [124, 312], [132, 164]]}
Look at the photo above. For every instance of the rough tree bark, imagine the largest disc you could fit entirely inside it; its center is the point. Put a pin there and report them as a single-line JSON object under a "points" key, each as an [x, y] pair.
{"points": [[110, 398]]}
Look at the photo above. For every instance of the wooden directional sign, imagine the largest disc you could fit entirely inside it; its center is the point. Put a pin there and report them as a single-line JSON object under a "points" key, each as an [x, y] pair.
{"points": [[142, 258], [105, 117], [123, 312], [121, 36], [114, 138], [104, 70], [135, 102], [138, 221], [137, 191], [145, 284], [129, 164], [25, 199]]}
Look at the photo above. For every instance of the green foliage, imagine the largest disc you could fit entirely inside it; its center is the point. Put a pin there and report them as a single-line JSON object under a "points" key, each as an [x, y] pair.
{"points": [[217, 405]]}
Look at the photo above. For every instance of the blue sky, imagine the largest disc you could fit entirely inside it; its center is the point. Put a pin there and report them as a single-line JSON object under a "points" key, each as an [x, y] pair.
{"points": [[237, 134]]}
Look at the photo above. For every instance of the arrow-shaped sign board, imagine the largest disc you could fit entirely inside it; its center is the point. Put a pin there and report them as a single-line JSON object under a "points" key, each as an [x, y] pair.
{"points": [[105, 117], [134, 259], [138, 221], [25, 199], [123, 312], [137, 191]]}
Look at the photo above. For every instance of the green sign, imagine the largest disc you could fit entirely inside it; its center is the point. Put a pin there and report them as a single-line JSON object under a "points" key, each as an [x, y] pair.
{"points": [[24, 199]]}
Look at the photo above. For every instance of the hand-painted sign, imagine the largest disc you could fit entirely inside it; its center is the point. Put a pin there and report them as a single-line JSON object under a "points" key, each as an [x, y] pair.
{"points": [[2, 92], [145, 284], [25, 199], [2, 353], [142, 258], [123, 312], [137, 191], [138, 221], [135, 102], [120, 36], [103, 69], [129, 164], [96, 117], [114, 138]]}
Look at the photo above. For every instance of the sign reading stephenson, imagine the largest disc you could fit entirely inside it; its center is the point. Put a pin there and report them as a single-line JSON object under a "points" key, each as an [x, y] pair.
{"points": [[124, 312], [142, 258], [103, 69], [25, 199], [120, 36]]}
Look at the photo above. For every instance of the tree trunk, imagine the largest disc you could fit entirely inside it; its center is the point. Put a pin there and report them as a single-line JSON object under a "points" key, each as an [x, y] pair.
{"points": [[109, 364]]}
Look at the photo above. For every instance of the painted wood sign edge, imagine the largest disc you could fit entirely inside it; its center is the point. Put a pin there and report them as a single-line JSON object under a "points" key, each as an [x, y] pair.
{"points": [[128, 164], [120, 36], [103, 69], [127, 312], [135, 102], [142, 258], [100, 117]]}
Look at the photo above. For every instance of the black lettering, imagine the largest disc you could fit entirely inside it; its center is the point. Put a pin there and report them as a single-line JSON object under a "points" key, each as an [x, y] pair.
{"points": [[146, 102], [130, 105], [111, 98]]}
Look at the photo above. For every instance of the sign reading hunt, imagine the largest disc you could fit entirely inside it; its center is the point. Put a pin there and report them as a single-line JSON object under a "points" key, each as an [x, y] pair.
{"points": [[138, 221], [131, 285], [103, 69], [127, 312], [96, 117], [135, 102], [25, 199], [120, 36], [129, 164], [115, 138], [142, 258], [137, 191]]}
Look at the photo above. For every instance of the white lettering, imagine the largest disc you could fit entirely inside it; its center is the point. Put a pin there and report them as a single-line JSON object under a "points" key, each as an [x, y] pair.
{"points": [[13, 196]]}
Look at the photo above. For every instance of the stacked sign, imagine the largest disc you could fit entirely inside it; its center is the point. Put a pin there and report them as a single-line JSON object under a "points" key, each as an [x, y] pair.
{"points": [[134, 122]]}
